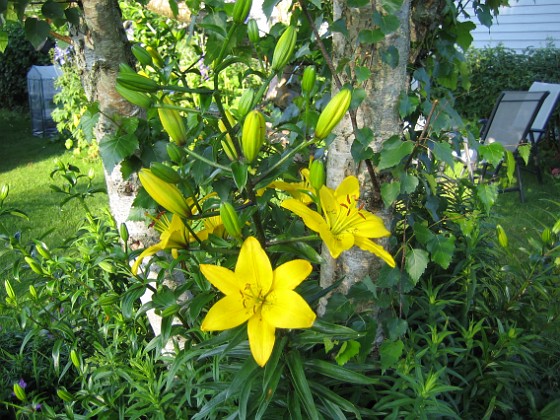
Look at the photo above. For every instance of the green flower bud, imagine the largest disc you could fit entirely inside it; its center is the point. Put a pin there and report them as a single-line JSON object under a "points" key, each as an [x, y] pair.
{"points": [[142, 55], [546, 236], [175, 153], [333, 113], [253, 31], [165, 194], [241, 10], [230, 219], [123, 232], [308, 80], [172, 123], [19, 392], [34, 265], [136, 82], [317, 174], [502, 237], [4, 190], [64, 395], [136, 98], [158, 61], [252, 138], [284, 49], [227, 142], [245, 103]]}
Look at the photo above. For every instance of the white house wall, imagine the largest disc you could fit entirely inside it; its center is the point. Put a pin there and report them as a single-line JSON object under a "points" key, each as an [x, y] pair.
{"points": [[525, 24]]}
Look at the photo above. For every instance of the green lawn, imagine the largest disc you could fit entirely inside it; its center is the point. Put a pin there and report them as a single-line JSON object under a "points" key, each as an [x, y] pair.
{"points": [[25, 165]]}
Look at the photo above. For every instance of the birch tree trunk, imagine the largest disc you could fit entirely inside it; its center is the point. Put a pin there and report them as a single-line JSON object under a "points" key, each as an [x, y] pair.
{"points": [[101, 45], [379, 111]]}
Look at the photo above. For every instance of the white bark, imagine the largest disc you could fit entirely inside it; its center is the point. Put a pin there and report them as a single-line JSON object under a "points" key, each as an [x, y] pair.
{"points": [[379, 111]]}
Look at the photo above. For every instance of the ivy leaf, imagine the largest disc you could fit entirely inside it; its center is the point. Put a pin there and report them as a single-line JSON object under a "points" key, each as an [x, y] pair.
{"points": [[52, 10], [493, 153], [390, 352], [370, 36], [488, 194], [114, 149], [394, 150], [442, 151], [362, 74], [348, 350], [387, 23], [442, 248], [416, 263], [390, 191], [36, 31], [390, 56], [524, 151], [464, 38]]}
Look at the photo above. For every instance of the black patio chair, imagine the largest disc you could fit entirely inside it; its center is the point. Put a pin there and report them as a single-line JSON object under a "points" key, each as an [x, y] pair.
{"points": [[509, 124]]}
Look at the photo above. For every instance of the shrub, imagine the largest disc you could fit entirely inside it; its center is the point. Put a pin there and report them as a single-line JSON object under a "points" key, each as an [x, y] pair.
{"points": [[15, 62]]}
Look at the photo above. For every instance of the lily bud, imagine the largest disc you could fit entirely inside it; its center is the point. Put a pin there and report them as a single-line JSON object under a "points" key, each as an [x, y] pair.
{"points": [[135, 98], [252, 138], [158, 61], [137, 82], [284, 49], [245, 103], [253, 31], [333, 113], [165, 194], [175, 153], [308, 80], [142, 55], [4, 190], [230, 219], [241, 10], [172, 122], [502, 237], [317, 174], [227, 142]]}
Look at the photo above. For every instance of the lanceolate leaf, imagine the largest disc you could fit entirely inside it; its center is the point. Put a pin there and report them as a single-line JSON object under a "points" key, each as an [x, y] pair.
{"points": [[3, 41]]}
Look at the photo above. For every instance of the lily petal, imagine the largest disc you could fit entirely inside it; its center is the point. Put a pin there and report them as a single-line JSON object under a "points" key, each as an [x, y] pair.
{"points": [[226, 313], [312, 219], [290, 274], [261, 339], [369, 225], [336, 243], [147, 253], [349, 186], [253, 266], [287, 309], [222, 278], [370, 246]]}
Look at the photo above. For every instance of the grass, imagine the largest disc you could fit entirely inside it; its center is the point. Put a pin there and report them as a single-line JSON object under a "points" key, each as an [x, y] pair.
{"points": [[25, 165]]}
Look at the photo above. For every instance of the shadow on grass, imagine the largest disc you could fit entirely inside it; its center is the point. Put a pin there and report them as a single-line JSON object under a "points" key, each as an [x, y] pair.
{"points": [[18, 147]]}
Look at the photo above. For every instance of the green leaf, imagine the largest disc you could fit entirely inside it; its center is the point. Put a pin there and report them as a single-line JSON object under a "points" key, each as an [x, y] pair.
{"points": [[113, 149], [3, 41], [52, 10], [390, 191], [339, 26], [357, 3], [73, 15], [443, 152], [339, 373], [488, 194], [362, 74], [524, 151], [396, 327], [407, 104], [370, 36], [464, 38], [416, 263], [510, 166], [390, 56], [394, 151], [422, 233], [240, 174], [442, 248], [36, 31], [387, 23], [348, 350], [299, 381], [408, 183], [493, 153], [390, 352]]}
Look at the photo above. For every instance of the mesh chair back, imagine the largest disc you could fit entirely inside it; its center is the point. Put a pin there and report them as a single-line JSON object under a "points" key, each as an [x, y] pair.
{"points": [[512, 117], [547, 108]]}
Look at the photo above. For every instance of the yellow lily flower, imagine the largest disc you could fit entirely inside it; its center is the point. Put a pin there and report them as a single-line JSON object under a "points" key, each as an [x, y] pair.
{"points": [[263, 297], [301, 191], [212, 225], [164, 193], [174, 236], [344, 223]]}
